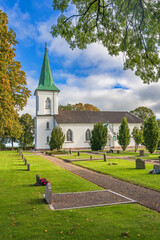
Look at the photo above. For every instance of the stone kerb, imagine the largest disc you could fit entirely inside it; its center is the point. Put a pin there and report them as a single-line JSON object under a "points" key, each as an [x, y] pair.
{"points": [[140, 163], [48, 193]]}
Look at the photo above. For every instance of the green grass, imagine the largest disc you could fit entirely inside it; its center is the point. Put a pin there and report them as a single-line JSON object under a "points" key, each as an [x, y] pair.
{"points": [[82, 156], [125, 170], [24, 214]]}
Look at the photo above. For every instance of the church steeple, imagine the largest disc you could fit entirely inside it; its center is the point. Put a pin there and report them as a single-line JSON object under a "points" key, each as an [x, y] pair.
{"points": [[46, 78]]}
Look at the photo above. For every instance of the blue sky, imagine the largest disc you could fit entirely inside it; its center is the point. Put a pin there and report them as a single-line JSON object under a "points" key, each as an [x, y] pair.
{"points": [[87, 76]]}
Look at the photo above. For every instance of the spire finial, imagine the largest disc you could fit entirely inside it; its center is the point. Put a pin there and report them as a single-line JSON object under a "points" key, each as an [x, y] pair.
{"points": [[45, 46]]}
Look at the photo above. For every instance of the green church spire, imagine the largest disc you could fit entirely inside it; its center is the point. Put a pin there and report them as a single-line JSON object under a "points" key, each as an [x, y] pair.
{"points": [[46, 78]]}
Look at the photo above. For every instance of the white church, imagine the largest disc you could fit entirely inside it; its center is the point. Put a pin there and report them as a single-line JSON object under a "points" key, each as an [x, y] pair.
{"points": [[76, 125]]}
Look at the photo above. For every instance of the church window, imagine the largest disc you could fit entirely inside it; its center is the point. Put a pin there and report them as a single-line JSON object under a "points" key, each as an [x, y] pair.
{"points": [[88, 135], [48, 139], [69, 135], [47, 125], [48, 103]]}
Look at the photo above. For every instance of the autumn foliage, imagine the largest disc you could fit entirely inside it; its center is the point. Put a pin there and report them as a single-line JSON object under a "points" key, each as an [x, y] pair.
{"points": [[78, 107], [13, 91]]}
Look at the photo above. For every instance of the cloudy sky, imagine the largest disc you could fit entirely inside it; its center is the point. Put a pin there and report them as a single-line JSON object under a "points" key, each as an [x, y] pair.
{"points": [[87, 76]]}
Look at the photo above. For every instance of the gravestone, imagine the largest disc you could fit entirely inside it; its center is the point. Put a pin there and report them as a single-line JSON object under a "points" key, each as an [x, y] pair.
{"points": [[25, 161], [70, 151], [118, 151], [37, 179], [78, 153], [156, 167], [22, 156], [28, 167], [91, 157], [104, 157], [141, 153], [48, 193], [140, 163]]}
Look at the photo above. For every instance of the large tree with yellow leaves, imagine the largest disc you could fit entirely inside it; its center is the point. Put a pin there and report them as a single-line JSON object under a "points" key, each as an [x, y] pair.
{"points": [[13, 90]]}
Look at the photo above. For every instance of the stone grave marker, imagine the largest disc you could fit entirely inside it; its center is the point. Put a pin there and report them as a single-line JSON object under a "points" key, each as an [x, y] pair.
{"points": [[141, 153], [78, 153], [104, 156], [91, 157], [28, 167], [70, 151], [25, 161], [48, 193], [37, 179], [140, 163]]}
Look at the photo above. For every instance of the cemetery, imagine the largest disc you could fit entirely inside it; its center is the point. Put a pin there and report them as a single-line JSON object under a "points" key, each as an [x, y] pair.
{"points": [[23, 202]]}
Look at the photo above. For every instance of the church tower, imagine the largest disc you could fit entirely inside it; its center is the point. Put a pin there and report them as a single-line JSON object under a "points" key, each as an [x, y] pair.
{"points": [[46, 105]]}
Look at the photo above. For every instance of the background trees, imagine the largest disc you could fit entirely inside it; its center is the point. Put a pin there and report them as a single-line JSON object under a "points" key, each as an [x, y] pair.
{"points": [[98, 137], [124, 134], [57, 138], [142, 112], [27, 135], [78, 107], [131, 27], [151, 134], [13, 91]]}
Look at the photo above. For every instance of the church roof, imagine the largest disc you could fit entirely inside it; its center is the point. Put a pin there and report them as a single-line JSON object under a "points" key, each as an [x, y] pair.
{"points": [[95, 116], [46, 78]]}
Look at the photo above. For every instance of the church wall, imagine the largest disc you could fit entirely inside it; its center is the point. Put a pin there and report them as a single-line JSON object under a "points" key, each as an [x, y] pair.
{"points": [[42, 132], [79, 130], [41, 97]]}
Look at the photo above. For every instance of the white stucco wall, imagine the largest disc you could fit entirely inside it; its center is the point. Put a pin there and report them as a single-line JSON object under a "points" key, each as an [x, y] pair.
{"points": [[41, 97], [41, 131], [79, 131]]}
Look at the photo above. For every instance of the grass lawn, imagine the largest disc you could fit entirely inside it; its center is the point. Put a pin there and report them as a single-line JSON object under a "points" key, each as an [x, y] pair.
{"points": [[125, 170], [24, 214], [82, 156]]}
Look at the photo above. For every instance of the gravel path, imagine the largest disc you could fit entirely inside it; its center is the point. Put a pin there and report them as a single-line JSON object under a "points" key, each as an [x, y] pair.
{"points": [[146, 197]]}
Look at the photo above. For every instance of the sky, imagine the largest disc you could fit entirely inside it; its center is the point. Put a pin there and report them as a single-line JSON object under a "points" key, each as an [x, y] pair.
{"points": [[88, 76]]}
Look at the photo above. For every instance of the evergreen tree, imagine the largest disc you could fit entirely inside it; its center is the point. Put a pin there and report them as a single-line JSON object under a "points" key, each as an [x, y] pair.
{"points": [[138, 137], [99, 136], [151, 134], [57, 138], [124, 134]]}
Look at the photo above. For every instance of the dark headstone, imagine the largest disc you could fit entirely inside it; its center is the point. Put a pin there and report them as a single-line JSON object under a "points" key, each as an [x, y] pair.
{"points": [[141, 153], [118, 151], [91, 157], [78, 153], [25, 161], [28, 167], [37, 179], [70, 151], [140, 163], [104, 157]]}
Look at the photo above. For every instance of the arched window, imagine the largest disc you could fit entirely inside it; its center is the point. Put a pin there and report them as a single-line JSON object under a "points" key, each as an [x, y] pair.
{"points": [[47, 125], [69, 135], [88, 135], [48, 103], [48, 139]]}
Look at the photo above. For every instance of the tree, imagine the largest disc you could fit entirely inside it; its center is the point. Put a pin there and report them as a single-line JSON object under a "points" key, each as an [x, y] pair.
{"points": [[127, 26], [151, 134], [13, 91], [124, 134], [78, 107], [98, 137], [57, 138], [158, 122], [12, 135], [142, 112], [138, 137], [27, 136]]}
